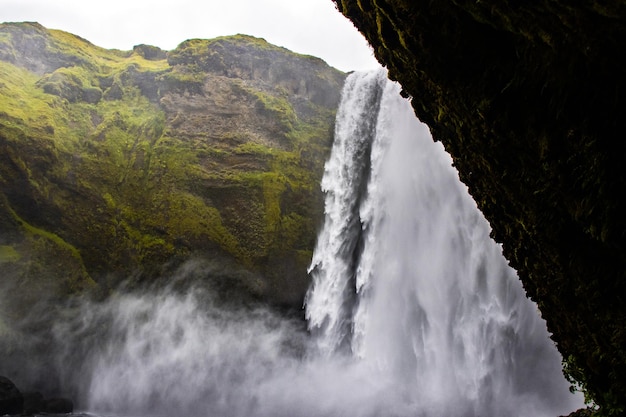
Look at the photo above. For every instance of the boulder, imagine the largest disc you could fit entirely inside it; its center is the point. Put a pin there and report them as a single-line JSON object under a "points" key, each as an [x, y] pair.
{"points": [[33, 403], [58, 406], [11, 400]]}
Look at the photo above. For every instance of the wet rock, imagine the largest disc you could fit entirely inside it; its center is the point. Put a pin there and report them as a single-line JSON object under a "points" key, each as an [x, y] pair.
{"points": [[58, 405], [537, 138], [583, 412], [11, 400], [33, 403]]}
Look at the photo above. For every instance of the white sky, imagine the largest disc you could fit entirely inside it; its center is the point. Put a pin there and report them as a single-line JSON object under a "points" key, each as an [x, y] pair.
{"points": [[311, 27]]}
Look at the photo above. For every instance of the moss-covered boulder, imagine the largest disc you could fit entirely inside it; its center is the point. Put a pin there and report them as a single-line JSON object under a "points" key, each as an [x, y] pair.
{"points": [[528, 97], [116, 163]]}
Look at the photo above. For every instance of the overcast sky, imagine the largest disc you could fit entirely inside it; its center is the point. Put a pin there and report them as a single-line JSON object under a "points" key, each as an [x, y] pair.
{"points": [[311, 27]]}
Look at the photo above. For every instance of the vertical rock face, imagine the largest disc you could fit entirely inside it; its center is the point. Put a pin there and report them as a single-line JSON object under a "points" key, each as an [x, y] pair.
{"points": [[115, 163], [529, 100]]}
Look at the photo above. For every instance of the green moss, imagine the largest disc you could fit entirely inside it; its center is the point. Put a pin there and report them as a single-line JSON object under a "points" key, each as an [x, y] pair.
{"points": [[204, 52], [253, 148], [248, 41], [8, 254], [295, 231], [67, 83], [46, 235], [273, 187], [183, 79], [275, 107], [24, 104], [115, 162], [109, 201]]}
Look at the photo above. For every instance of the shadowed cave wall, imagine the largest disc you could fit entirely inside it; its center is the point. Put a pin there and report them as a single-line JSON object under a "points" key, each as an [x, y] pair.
{"points": [[528, 97]]}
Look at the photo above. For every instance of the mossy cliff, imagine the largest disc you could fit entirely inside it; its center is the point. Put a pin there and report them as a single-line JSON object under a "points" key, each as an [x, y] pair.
{"points": [[115, 163], [529, 98]]}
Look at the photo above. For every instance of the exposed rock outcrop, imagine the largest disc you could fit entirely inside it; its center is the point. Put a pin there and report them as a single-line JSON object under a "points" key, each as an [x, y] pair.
{"points": [[528, 97]]}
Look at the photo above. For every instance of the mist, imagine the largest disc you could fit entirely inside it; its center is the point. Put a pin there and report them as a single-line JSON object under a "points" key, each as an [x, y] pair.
{"points": [[412, 310], [184, 349]]}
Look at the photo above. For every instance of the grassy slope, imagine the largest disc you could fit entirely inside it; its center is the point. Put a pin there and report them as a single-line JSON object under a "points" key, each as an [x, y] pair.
{"points": [[94, 162]]}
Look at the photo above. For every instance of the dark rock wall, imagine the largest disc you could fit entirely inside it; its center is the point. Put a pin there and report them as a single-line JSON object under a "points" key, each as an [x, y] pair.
{"points": [[528, 97]]}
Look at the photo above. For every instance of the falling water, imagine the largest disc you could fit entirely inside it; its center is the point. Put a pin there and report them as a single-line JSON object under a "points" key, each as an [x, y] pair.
{"points": [[413, 312], [406, 278]]}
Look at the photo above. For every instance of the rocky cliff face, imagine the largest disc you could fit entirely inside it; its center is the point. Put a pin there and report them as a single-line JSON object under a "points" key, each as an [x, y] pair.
{"points": [[114, 164], [529, 100]]}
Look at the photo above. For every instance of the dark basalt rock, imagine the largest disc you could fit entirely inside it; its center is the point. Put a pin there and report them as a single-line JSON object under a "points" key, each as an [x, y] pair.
{"points": [[11, 400], [58, 406], [528, 97], [583, 412], [33, 403]]}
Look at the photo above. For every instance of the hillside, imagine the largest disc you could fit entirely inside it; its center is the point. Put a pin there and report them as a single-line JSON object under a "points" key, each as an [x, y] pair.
{"points": [[122, 164]]}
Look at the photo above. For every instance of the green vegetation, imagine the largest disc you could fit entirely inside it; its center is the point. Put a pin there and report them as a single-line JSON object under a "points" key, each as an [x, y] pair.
{"points": [[40, 233], [118, 162], [8, 254]]}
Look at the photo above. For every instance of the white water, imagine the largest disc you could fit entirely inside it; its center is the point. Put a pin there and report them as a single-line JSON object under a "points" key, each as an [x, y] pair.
{"points": [[406, 278], [413, 311]]}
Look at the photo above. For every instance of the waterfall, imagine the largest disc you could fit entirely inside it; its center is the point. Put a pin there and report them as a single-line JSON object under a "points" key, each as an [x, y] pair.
{"points": [[407, 280], [344, 182], [412, 311]]}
